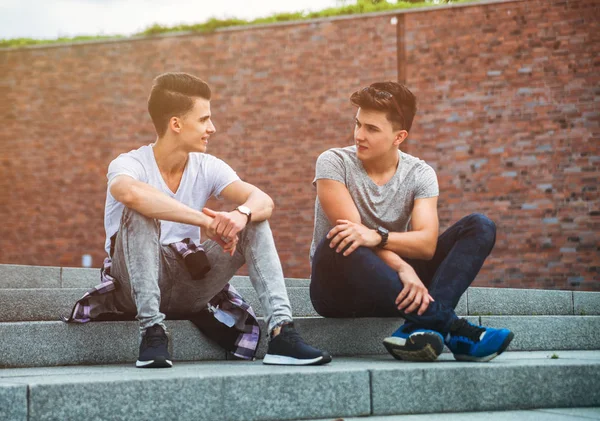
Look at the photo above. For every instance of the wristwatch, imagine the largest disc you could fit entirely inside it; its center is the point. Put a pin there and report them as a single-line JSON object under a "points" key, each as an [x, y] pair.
{"points": [[384, 237], [245, 210]]}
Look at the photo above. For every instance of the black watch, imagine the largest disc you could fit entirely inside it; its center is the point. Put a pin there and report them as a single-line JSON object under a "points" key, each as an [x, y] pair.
{"points": [[384, 237]]}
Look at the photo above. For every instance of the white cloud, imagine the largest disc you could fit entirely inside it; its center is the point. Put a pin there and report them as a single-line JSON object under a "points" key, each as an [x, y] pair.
{"points": [[53, 18]]}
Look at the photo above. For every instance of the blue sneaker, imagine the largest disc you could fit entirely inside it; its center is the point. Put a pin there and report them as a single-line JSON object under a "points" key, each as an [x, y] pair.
{"points": [[411, 343], [477, 343]]}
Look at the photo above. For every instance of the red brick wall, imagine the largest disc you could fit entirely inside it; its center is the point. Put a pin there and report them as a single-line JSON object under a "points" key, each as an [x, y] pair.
{"points": [[509, 116]]}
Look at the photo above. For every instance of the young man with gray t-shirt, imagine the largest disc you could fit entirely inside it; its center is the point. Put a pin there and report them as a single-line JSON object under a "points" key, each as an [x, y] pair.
{"points": [[375, 249]]}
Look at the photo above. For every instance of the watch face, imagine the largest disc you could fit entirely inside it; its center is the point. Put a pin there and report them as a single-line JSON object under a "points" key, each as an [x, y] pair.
{"points": [[244, 209], [384, 236]]}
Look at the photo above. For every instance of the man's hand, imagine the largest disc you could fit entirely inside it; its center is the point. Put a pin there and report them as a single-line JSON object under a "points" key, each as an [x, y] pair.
{"points": [[225, 227], [350, 233], [414, 295]]}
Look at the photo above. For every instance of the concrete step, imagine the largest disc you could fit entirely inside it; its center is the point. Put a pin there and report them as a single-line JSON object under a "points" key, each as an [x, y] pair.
{"points": [[348, 387], [37, 304], [545, 414], [33, 304], [37, 344], [24, 276], [42, 293]]}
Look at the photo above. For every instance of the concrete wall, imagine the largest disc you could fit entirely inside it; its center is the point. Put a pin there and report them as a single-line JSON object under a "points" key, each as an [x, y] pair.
{"points": [[509, 115]]}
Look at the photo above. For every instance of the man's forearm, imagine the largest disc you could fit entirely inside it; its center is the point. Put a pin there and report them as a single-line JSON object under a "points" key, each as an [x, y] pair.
{"points": [[153, 203], [261, 206], [391, 259], [412, 244]]}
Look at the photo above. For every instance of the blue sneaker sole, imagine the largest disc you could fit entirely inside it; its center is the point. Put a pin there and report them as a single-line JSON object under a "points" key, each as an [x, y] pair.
{"points": [[426, 347], [485, 358]]}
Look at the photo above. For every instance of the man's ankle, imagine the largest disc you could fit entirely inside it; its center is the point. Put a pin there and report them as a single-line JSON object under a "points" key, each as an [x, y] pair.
{"points": [[277, 329]]}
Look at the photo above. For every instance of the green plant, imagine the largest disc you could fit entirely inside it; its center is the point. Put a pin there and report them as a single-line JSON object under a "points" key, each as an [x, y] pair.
{"points": [[360, 7], [24, 42]]}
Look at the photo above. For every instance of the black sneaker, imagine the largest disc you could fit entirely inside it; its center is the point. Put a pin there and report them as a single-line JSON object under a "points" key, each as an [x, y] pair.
{"points": [[154, 351], [288, 348]]}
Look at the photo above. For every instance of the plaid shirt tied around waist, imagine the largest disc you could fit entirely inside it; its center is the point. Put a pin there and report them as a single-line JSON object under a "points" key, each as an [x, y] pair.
{"points": [[245, 341]]}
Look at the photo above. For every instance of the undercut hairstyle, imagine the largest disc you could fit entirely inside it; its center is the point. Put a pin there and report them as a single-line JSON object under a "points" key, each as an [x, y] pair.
{"points": [[398, 102], [173, 95]]}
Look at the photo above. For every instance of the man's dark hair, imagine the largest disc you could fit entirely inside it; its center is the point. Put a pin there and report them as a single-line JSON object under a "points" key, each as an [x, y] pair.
{"points": [[395, 99], [173, 94]]}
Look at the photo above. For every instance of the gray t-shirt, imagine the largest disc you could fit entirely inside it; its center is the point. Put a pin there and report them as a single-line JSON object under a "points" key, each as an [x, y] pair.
{"points": [[389, 206]]}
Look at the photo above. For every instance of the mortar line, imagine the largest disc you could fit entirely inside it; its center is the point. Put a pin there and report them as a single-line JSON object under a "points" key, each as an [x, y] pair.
{"points": [[400, 48], [467, 300], [28, 402], [370, 392], [573, 303]]}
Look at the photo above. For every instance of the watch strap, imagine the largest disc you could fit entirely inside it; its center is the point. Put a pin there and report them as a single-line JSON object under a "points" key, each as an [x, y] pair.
{"points": [[245, 211], [384, 233]]}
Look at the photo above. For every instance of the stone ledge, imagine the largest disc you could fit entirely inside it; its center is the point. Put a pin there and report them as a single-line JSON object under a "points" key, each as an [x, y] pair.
{"points": [[35, 344], [534, 333], [348, 387], [510, 301]]}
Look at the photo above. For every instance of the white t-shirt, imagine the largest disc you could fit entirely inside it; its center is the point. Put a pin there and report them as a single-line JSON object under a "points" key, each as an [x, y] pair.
{"points": [[204, 176]]}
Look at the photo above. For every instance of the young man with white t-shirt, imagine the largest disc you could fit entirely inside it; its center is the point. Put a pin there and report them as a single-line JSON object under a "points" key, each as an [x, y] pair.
{"points": [[153, 217], [366, 262]]}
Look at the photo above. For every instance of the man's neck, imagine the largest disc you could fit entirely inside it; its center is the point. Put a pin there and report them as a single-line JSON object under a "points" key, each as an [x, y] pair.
{"points": [[169, 159], [382, 165]]}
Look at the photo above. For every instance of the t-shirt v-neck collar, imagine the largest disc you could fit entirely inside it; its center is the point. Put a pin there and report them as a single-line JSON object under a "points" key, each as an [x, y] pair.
{"points": [[162, 180], [374, 184]]}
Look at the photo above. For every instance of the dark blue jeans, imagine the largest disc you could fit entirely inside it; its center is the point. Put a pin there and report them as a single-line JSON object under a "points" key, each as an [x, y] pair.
{"points": [[362, 285]]}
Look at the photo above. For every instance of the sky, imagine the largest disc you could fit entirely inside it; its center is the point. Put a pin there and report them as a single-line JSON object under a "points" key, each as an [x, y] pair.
{"points": [[48, 19]]}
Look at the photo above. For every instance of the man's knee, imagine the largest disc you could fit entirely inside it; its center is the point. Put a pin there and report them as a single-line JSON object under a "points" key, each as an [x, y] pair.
{"points": [[132, 217], [484, 227], [324, 252], [255, 229], [135, 235], [260, 226], [323, 248]]}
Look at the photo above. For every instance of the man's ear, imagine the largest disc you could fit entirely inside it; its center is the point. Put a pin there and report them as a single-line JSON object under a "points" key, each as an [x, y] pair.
{"points": [[400, 136], [175, 124]]}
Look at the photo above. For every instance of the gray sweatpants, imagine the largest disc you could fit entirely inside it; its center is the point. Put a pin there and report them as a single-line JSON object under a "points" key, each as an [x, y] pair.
{"points": [[154, 279]]}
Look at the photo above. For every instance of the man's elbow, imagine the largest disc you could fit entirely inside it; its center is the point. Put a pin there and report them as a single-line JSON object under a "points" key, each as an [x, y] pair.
{"points": [[429, 251], [269, 205], [124, 193]]}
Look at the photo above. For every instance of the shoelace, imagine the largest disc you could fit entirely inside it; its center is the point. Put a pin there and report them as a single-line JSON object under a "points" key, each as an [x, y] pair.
{"points": [[291, 335], [467, 330], [155, 340]]}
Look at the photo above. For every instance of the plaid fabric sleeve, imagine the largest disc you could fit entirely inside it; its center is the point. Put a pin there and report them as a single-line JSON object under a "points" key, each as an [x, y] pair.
{"points": [[247, 341], [185, 247], [84, 306]]}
